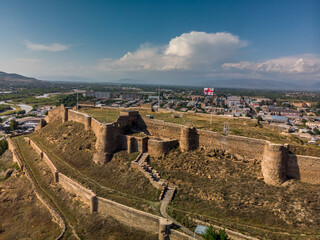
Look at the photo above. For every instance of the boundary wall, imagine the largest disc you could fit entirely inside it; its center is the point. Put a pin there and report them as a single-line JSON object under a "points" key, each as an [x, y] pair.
{"points": [[58, 219], [276, 164], [124, 214]]}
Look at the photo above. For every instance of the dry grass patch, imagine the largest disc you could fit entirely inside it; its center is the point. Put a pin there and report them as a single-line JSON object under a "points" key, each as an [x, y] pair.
{"points": [[232, 193]]}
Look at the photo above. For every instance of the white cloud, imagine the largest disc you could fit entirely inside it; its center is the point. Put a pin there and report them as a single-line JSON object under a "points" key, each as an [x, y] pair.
{"points": [[191, 51], [54, 47], [302, 64]]}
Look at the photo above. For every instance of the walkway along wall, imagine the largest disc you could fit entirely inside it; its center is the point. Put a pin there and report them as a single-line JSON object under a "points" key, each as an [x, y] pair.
{"points": [[53, 213], [127, 215]]}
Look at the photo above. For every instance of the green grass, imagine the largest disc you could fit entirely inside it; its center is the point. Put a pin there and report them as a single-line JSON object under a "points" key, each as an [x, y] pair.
{"points": [[10, 112], [102, 115]]}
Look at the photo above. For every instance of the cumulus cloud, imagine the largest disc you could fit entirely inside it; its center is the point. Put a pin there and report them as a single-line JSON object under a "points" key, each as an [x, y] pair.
{"points": [[189, 51], [302, 64], [54, 47]]}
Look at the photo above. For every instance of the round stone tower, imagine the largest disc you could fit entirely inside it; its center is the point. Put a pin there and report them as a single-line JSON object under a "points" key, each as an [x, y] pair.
{"points": [[274, 164]]}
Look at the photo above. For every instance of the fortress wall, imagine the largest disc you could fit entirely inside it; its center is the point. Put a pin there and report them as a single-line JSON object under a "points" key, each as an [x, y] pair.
{"points": [[162, 129], [15, 157], [57, 113], [159, 148], [36, 148], [80, 117], [304, 168], [241, 147], [133, 143], [49, 163], [189, 139], [129, 216], [176, 235], [72, 186], [95, 126]]}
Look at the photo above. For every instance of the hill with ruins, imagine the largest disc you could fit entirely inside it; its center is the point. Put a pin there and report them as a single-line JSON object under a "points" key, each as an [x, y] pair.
{"points": [[161, 178]]}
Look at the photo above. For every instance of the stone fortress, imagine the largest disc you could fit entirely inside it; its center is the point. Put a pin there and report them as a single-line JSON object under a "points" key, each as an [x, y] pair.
{"points": [[134, 133]]}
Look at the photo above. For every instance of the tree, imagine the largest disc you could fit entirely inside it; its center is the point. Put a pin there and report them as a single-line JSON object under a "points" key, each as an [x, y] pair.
{"points": [[304, 122], [316, 131], [211, 234], [13, 124], [3, 146]]}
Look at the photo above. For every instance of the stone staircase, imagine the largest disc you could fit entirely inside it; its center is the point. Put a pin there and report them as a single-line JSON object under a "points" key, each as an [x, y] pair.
{"points": [[168, 191]]}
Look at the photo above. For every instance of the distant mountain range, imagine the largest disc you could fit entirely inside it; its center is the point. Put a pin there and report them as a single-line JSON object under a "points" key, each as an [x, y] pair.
{"points": [[237, 83], [15, 80]]}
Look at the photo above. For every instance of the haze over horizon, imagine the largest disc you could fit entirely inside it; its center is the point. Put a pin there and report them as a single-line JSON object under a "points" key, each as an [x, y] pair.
{"points": [[175, 42]]}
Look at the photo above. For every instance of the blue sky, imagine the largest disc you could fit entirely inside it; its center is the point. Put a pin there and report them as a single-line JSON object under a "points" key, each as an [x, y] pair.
{"points": [[161, 40]]}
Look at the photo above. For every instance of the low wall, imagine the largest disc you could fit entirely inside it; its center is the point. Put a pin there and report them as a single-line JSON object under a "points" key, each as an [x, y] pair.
{"points": [[129, 216], [305, 168]]}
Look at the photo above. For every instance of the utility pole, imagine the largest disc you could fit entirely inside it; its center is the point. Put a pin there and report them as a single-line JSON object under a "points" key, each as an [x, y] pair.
{"points": [[159, 99], [77, 99]]}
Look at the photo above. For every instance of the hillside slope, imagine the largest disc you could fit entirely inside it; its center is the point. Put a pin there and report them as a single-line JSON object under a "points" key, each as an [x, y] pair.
{"points": [[16, 80], [70, 143]]}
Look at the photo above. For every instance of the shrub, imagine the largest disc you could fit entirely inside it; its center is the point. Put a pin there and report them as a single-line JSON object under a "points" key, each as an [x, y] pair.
{"points": [[211, 234]]}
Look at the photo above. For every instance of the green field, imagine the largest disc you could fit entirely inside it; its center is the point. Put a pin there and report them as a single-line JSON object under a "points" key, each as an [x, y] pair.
{"points": [[102, 115]]}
